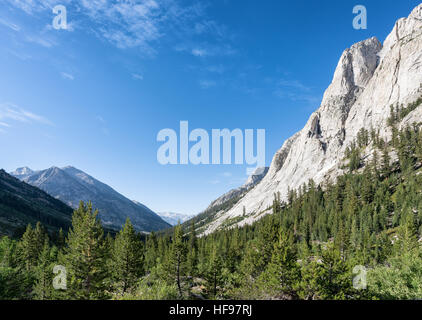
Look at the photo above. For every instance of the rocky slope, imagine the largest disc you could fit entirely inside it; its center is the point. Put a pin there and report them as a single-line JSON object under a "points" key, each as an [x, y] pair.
{"points": [[224, 202], [368, 79], [71, 186], [252, 181]]}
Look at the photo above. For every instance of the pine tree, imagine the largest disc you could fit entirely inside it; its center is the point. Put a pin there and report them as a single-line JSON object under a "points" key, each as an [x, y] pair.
{"points": [[85, 256], [151, 251], [213, 273], [407, 238], [385, 165], [40, 235], [8, 255], [282, 273], [61, 239], [43, 284], [333, 275], [192, 258], [127, 258], [27, 249], [252, 263], [374, 165], [419, 146], [176, 262]]}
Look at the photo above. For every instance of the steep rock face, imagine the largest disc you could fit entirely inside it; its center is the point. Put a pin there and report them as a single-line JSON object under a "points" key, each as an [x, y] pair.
{"points": [[368, 79]]}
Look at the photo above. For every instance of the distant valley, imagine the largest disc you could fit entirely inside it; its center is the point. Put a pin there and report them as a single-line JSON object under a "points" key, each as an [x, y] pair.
{"points": [[174, 218]]}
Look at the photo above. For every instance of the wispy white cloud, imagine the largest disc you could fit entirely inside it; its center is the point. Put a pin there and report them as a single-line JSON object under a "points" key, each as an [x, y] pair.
{"points": [[200, 52], [4, 124], [67, 76], [297, 96], [206, 69], [216, 69], [296, 91], [293, 84], [212, 27], [29, 6], [206, 84], [41, 40], [137, 76], [10, 112], [140, 24], [136, 23], [10, 25], [207, 50], [34, 6], [20, 55]]}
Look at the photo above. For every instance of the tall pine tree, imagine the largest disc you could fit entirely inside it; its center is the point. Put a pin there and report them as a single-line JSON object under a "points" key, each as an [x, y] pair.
{"points": [[85, 256], [127, 258]]}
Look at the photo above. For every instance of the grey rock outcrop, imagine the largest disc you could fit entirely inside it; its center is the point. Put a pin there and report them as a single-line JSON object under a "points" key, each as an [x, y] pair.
{"points": [[368, 79]]}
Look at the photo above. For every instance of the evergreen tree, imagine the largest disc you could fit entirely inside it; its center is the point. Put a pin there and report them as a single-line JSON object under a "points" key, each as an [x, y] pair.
{"points": [[407, 236], [176, 262], [126, 262], [213, 273], [44, 271], [61, 239], [28, 249], [40, 235], [419, 146], [192, 258], [85, 256], [333, 277], [151, 251], [385, 165], [282, 274]]}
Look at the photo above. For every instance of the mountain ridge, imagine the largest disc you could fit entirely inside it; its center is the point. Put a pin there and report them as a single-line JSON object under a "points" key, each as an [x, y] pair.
{"points": [[21, 203], [72, 185], [368, 79]]}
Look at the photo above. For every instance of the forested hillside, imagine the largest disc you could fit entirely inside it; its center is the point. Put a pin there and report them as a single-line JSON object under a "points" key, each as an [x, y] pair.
{"points": [[307, 249], [21, 203]]}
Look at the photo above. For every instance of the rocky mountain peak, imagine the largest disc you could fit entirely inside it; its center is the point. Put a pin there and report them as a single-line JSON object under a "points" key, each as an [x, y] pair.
{"points": [[72, 185], [368, 79], [256, 176], [24, 171], [356, 66], [354, 70]]}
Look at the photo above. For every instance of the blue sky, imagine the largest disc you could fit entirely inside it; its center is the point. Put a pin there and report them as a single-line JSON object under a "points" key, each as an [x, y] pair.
{"points": [[95, 95]]}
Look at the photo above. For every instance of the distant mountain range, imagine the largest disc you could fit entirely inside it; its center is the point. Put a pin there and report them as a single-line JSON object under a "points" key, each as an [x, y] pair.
{"points": [[21, 203], [174, 218], [72, 185]]}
